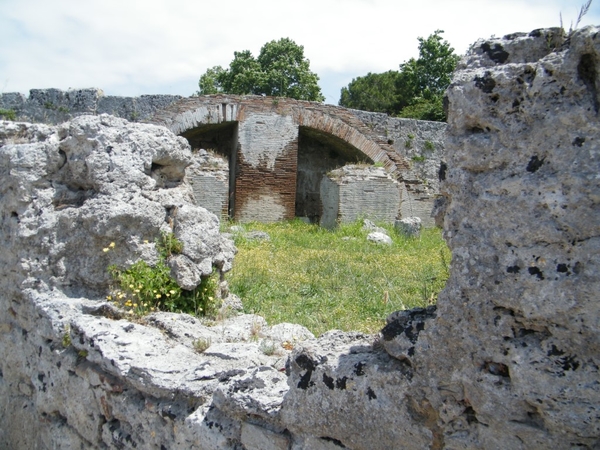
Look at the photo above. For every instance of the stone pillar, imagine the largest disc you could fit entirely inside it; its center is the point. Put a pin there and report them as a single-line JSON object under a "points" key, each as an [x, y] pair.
{"points": [[267, 161]]}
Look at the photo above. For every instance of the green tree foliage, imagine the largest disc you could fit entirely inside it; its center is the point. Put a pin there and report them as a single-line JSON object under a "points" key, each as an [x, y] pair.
{"points": [[373, 92], [280, 70], [418, 88], [209, 82]]}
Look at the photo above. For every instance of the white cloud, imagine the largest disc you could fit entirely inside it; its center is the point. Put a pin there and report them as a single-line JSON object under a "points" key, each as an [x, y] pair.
{"points": [[131, 47]]}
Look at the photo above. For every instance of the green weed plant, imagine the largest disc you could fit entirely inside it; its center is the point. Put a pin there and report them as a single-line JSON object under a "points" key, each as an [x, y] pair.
{"points": [[336, 279], [8, 114], [201, 344], [141, 288]]}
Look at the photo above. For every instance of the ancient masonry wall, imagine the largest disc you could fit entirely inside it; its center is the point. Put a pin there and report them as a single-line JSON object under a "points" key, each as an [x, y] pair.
{"points": [[208, 176], [422, 144], [509, 357], [54, 106], [412, 150], [351, 193]]}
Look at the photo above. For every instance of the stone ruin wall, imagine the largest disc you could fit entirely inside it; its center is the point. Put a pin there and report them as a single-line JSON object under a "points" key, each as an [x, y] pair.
{"points": [[507, 359], [351, 193], [301, 159], [208, 175], [422, 144]]}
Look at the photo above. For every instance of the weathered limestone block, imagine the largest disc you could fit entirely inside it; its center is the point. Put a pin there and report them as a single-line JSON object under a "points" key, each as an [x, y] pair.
{"points": [[523, 226], [258, 438], [409, 226], [401, 333], [346, 391], [93, 181], [379, 238]]}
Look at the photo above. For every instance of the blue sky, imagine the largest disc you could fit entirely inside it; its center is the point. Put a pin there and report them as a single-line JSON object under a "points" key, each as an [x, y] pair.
{"points": [[134, 47]]}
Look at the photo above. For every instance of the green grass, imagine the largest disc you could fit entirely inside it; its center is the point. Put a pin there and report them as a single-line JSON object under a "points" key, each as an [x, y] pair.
{"points": [[336, 279]]}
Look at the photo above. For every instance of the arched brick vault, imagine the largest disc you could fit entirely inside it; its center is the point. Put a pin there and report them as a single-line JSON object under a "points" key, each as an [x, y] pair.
{"points": [[266, 144]]}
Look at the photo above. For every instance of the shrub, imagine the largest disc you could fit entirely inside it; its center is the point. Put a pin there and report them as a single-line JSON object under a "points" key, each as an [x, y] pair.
{"points": [[8, 114], [142, 288], [201, 344]]}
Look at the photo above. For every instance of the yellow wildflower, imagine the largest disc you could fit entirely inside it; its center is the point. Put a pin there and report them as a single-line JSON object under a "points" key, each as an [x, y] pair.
{"points": [[158, 296], [111, 245], [105, 250]]}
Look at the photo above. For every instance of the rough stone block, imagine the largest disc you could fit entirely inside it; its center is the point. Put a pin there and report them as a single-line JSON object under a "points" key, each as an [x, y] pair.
{"points": [[410, 226], [379, 238], [259, 438], [401, 332]]}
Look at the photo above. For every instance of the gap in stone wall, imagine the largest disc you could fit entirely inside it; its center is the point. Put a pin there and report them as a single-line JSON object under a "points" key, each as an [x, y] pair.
{"points": [[217, 195]]}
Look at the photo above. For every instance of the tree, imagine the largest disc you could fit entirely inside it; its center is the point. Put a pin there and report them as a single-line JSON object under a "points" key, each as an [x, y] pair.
{"points": [[418, 88], [423, 81], [210, 82], [373, 92], [280, 70]]}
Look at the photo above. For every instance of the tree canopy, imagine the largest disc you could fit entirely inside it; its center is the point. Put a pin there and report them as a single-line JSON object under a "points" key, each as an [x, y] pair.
{"points": [[279, 70], [373, 92], [416, 91]]}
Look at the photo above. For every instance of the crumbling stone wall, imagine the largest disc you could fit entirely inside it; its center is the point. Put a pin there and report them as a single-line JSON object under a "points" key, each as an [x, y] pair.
{"points": [[54, 106], [304, 139], [507, 359], [267, 161], [422, 144]]}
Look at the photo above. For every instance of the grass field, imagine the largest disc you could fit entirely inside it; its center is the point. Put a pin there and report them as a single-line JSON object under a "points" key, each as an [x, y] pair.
{"points": [[337, 279]]}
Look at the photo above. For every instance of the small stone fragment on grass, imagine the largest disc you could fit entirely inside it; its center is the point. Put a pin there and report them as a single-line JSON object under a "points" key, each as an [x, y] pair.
{"points": [[379, 238], [409, 226]]}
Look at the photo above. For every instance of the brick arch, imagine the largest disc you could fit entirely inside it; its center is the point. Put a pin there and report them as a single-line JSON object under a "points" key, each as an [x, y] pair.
{"points": [[340, 122], [264, 161], [352, 133]]}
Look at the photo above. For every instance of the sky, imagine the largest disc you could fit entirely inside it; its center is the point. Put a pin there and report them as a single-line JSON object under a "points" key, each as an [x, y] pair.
{"points": [[134, 47]]}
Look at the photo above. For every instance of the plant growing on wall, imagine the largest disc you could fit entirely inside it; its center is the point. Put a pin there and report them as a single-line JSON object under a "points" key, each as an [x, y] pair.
{"points": [[8, 114], [279, 70], [141, 288], [582, 12]]}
